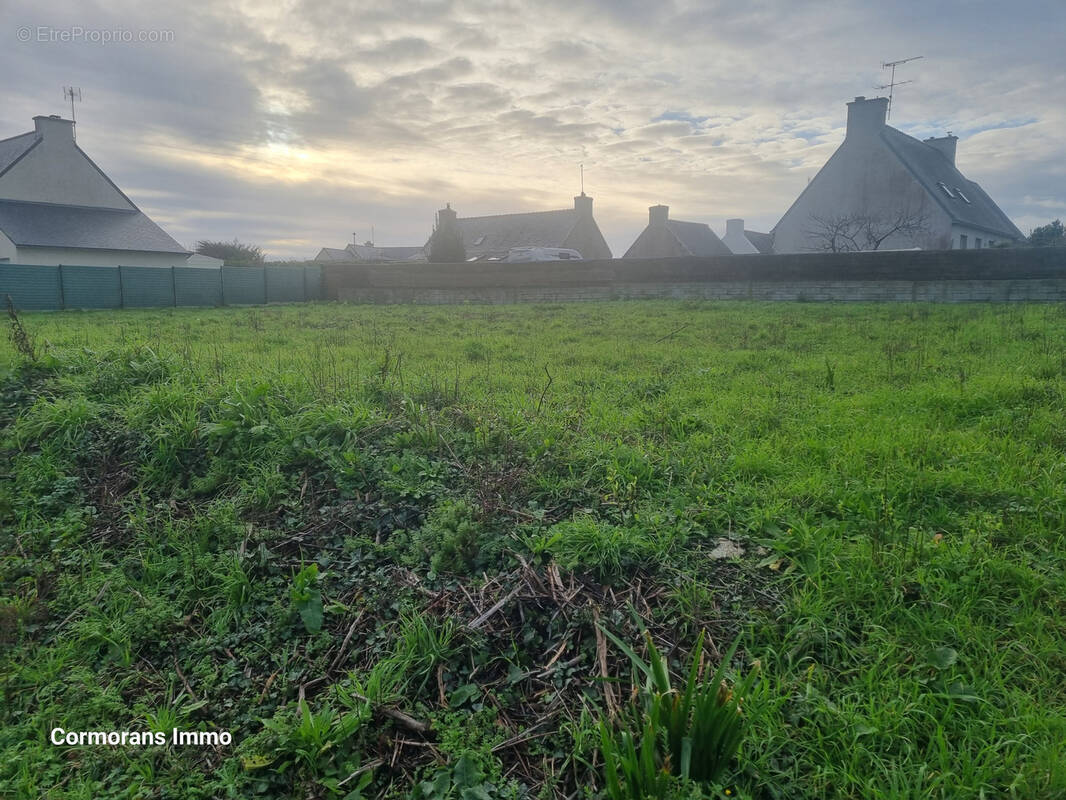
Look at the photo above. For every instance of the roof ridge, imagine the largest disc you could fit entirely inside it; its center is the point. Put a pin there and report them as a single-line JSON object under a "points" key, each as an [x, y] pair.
{"points": [[516, 214]]}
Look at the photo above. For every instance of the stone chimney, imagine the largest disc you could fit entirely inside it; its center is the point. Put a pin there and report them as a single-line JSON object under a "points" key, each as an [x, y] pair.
{"points": [[446, 216], [866, 117], [945, 144], [657, 215], [54, 128], [583, 205]]}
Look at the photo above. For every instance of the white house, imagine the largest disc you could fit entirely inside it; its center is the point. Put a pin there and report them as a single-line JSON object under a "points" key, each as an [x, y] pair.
{"points": [[58, 207], [881, 181], [204, 262]]}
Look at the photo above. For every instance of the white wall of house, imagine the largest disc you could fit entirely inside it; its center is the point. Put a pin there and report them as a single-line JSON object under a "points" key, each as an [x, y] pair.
{"points": [[209, 262], [963, 238], [50, 256], [7, 249], [862, 177], [55, 171]]}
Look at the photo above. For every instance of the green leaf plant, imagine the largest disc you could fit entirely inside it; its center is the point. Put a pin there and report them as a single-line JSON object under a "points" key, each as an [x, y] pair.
{"points": [[669, 734]]}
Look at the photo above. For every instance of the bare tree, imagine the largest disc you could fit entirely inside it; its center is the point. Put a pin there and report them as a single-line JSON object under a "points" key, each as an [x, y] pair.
{"points": [[849, 233]]}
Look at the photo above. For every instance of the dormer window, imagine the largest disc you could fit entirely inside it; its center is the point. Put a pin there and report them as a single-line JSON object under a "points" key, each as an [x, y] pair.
{"points": [[944, 187], [958, 191]]}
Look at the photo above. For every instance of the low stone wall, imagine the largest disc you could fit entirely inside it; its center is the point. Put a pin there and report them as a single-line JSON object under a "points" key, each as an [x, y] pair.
{"points": [[1035, 291], [1031, 275]]}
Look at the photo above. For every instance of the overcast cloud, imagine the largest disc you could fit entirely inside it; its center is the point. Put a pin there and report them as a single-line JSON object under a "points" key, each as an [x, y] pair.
{"points": [[294, 126]]}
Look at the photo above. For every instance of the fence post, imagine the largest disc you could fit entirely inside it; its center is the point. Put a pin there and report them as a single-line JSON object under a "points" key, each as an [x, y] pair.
{"points": [[121, 289], [266, 291], [174, 285], [304, 271], [62, 291], [222, 286]]}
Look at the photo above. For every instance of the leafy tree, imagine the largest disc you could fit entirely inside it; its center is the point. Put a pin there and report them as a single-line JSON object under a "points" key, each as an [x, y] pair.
{"points": [[446, 244], [1051, 235], [233, 253], [849, 233]]}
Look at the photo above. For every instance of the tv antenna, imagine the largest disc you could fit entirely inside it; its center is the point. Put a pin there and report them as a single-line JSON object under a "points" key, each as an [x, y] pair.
{"points": [[74, 93], [581, 167], [892, 82]]}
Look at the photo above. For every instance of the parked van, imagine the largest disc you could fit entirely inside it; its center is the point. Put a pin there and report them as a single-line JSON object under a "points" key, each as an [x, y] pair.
{"points": [[520, 255]]}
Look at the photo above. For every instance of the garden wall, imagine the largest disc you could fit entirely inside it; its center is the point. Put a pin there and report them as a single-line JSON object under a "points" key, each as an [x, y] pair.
{"points": [[948, 276]]}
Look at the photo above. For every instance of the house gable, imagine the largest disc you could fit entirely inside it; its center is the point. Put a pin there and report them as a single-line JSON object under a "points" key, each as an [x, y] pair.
{"points": [[670, 238], [863, 176], [882, 172], [55, 170]]}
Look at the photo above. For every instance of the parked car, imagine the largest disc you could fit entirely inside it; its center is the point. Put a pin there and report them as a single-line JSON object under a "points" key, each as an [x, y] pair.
{"points": [[521, 255]]}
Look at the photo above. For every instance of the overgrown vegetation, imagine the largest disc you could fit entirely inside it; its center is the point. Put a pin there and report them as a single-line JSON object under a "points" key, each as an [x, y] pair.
{"points": [[383, 547]]}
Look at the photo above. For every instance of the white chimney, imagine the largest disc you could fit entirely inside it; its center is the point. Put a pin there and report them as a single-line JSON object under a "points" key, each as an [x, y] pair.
{"points": [[866, 117], [54, 127], [945, 144], [736, 240]]}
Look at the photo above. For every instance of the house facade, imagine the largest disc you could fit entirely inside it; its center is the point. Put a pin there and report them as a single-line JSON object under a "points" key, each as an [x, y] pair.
{"points": [[575, 228], [672, 238], [58, 207], [883, 189]]}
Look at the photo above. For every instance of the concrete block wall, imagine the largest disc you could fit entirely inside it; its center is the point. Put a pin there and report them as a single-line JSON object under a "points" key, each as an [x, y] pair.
{"points": [[1024, 274]]}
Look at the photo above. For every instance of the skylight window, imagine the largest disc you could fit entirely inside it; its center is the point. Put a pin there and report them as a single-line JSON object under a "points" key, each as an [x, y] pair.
{"points": [[947, 191], [958, 191]]}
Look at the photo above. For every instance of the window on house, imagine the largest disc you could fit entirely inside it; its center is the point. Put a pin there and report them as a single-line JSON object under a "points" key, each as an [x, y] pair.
{"points": [[962, 241], [945, 188], [958, 191], [977, 244]]}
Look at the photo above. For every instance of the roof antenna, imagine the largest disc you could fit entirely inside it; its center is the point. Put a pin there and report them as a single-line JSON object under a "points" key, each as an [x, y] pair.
{"points": [[892, 82], [74, 93], [581, 166]]}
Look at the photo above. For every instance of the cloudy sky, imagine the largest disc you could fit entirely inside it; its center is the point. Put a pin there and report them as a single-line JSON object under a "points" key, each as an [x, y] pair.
{"points": [[297, 125]]}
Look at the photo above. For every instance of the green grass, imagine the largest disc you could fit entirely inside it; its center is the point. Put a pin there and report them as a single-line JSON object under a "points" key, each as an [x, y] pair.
{"points": [[292, 524]]}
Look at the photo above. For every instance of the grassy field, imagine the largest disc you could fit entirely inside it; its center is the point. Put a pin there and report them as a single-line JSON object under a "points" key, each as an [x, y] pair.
{"points": [[381, 546]]}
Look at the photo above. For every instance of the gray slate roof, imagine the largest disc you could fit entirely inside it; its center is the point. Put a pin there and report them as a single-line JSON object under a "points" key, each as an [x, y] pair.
{"points": [[763, 242], [495, 235], [362, 253], [365, 252], [698, 238], [930, 166], [333, 254], [11, 150], [48, 225]]}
